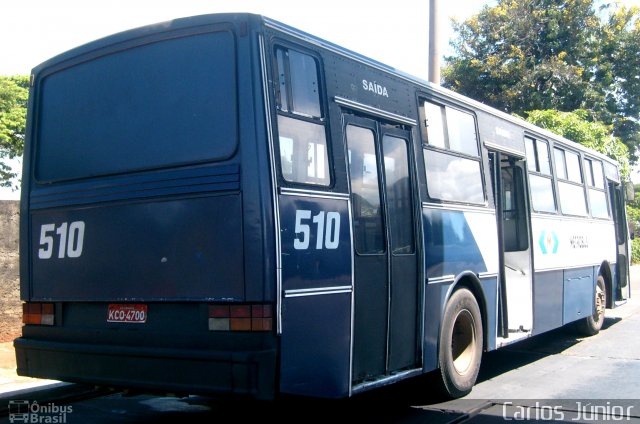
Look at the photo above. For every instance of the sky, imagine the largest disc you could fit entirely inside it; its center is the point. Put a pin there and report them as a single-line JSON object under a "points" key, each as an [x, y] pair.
{"points": [[32, 31]]}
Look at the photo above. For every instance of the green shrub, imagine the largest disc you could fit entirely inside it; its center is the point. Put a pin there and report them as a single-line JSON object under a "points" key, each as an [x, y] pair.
{"points": [[635, 251]]}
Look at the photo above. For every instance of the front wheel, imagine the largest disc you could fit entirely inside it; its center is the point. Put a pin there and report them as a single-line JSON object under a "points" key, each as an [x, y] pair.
{"points": [[460, 344], [592, 324]]}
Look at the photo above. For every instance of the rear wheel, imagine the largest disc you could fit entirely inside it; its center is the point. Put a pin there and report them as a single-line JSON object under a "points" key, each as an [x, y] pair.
{"points": [[591, 325], [460, 344]]}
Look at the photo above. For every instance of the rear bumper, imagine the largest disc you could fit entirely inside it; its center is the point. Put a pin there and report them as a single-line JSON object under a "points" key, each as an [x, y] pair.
{"points": [[165, 370]]}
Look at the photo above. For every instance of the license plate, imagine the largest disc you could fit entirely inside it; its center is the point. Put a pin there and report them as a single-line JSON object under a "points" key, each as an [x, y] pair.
{"points": [[134, 313]]}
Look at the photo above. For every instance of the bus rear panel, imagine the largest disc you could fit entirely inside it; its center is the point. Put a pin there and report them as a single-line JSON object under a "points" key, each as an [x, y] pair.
{"points": [[141, 265]]}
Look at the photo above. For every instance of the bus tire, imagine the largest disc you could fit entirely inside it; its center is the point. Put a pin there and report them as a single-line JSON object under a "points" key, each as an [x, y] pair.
{"points": [[592, 324], [460, 344]]}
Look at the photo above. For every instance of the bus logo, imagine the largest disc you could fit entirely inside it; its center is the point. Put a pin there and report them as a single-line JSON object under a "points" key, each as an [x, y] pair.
{"points": [[548, 242]]}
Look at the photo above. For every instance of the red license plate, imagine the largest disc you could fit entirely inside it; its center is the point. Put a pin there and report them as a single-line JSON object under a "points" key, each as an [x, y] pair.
{"points": [[127, 312]]}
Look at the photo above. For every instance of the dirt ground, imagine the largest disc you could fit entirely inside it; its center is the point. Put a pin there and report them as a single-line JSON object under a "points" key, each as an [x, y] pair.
{"points": [[10, 305]]}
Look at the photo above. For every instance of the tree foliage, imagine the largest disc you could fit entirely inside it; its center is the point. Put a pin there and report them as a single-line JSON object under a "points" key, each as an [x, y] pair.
{"points": [[14, 93], [633, 217], [524, 55], [576, 127]]}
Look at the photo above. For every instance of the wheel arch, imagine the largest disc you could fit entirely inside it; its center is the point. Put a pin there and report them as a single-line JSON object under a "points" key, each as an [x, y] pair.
{"points": [[470, 281], [605, 272]]}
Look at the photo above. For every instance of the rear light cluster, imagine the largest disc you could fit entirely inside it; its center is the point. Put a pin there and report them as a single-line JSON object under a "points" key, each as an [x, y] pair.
{"points": [[240, 317], [38, 313]]}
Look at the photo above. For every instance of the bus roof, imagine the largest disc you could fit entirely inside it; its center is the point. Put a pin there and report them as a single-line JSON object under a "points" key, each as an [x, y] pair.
{"points": [[60, 61], [431, 86]]}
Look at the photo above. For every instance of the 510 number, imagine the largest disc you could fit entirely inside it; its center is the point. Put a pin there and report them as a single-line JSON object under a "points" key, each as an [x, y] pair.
{"points": [[327, 230], [70, 240]]}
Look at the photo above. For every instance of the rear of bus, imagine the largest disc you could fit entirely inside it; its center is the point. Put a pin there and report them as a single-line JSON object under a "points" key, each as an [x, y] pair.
{"points": [[144, 240]]}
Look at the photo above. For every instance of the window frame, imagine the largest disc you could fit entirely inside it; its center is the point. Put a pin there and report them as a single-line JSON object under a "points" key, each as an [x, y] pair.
{"points": [[426, 146], [590, 162], [566, 181], [278, 111], [537, 173]]}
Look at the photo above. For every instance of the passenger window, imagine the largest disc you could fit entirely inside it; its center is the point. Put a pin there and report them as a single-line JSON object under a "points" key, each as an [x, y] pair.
{"points": [[304, 157], [570, 188], [595, 182], [573, 167], [453, 178], [449, 128], [461, 128], [542, 198], [454, 174], [540, 178], [303, 151], [561, 163]]}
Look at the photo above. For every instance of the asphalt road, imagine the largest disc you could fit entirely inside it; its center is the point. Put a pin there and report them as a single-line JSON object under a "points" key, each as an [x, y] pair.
{"points": [[556, 375]]}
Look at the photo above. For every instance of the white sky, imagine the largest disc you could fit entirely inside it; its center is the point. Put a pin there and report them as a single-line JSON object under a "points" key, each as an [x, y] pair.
{"points": [[32, 31]]}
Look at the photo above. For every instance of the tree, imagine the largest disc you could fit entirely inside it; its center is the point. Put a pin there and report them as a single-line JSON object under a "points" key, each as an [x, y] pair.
{"points": [[524, 55], [620, 66], [576, 127], [14, 93], [633, 217]]}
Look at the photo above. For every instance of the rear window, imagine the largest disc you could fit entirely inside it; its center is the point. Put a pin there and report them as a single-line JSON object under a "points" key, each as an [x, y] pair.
{"points": [[157, 105]]}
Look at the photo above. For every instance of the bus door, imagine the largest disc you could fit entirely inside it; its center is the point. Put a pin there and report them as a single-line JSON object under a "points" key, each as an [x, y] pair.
{"points": [[386, 289], [512, 213], [621, 291]]}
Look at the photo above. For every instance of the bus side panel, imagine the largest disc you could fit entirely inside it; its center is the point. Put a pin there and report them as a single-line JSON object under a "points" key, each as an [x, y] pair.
{"points": [[578, 294], [561, 243], [316, 296], [180, 249], [577, 245], [548, 295], [458, 241]]}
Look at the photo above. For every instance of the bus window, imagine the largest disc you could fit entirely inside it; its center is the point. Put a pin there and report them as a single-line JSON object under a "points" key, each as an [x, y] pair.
{"points": [[303, 151], [561, 163], [595, 182], [516, 236], [570, 188], [367, 213], [573, 167], [301, 129], [83, 114], [433, 124], [542, 194], [452, 177], [454, 131], [540, 179], [461, 128], [449, 128], [398, 189]]}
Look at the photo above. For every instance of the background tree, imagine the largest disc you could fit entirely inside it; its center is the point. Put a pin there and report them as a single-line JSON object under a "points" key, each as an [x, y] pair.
{"points": [[14, 93], [524, 55]]}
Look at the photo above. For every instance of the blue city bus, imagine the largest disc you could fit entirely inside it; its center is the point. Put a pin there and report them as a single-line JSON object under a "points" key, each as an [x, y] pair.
{"points": [[226, 204]]}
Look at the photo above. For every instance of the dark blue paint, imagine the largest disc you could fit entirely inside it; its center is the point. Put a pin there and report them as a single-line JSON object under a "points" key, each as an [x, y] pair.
{"points": [[548, 294], [315, 345], [490, 297], [138, 186], [579, 294], [312, 268], [316, 330], [450, 247], [179, 249], [152, 104]]}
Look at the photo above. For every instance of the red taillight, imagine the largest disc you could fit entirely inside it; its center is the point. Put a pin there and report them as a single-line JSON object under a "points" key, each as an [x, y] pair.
{"points": [[240, 317], [38, 313]]}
